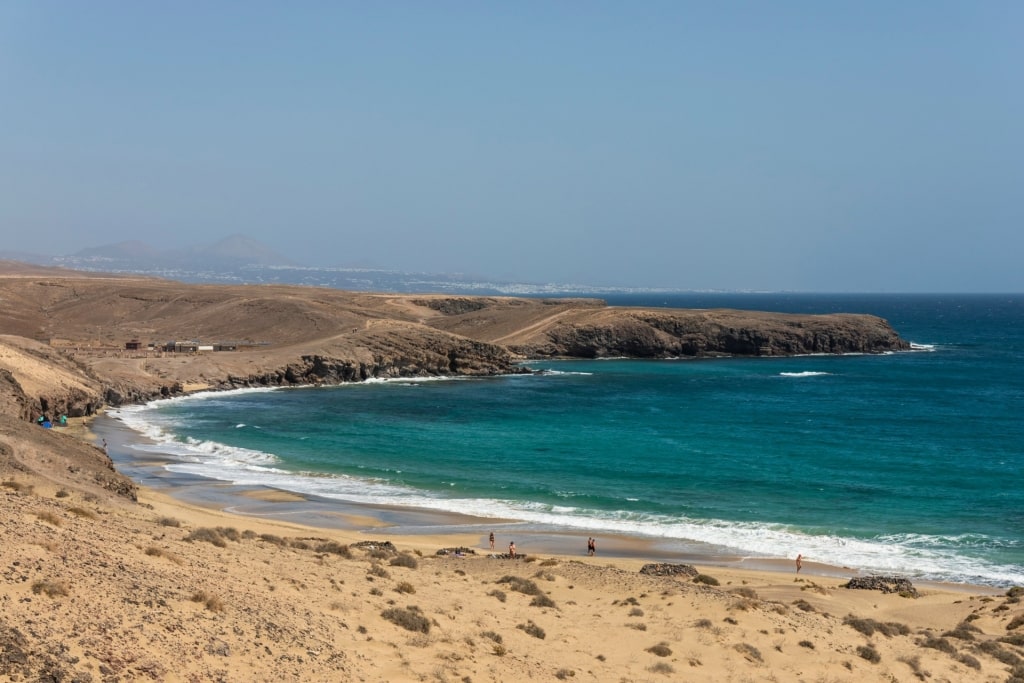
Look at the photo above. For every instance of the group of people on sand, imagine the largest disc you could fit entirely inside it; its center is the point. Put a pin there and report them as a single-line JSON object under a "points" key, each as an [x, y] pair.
{"points": [[591, 546]]}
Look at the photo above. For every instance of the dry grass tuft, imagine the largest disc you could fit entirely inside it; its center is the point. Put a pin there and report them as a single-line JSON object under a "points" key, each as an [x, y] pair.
{"points": [[405, 587], [869, 626], [542, 600], [49, 588], [168, 521], [153, 551], [82, 512], [335, 548], [706, 580], [210, 601], [869, 653], [661, 649], [748, 651], [532, 629], [404, 560], [521, 585], [49, 518], [208, 535], [410, 618]]}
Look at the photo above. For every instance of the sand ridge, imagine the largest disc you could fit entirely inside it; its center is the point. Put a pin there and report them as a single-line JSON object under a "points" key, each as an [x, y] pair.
{"points": [[95, 587]]}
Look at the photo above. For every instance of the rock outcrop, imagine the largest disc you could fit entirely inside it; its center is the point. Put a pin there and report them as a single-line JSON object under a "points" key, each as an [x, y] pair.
{"points": [[64, 348]]}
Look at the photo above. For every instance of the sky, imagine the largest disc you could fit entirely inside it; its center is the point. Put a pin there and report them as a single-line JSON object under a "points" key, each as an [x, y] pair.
{"points": [[809, 146]]}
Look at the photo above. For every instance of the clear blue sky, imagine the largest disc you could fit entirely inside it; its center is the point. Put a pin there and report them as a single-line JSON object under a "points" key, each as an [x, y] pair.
{"points": [[820, 146]]}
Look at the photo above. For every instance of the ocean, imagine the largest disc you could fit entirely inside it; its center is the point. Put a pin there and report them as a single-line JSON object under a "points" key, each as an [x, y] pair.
{"points": [[906, 463]]}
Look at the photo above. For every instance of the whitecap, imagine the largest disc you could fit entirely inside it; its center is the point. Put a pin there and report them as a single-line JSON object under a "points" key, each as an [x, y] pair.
{"points": [[807, 373]]}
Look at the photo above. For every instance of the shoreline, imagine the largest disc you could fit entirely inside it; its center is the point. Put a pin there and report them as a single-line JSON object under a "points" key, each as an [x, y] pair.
{"points": [[450, 529]]}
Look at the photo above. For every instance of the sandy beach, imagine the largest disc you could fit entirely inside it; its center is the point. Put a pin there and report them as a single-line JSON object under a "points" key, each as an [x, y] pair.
{"points": [[99, 588], [120, 570]]}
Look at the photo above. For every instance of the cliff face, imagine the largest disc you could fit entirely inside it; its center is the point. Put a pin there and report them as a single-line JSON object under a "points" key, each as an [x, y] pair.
{"points": [[675, 334], [63, 351]]}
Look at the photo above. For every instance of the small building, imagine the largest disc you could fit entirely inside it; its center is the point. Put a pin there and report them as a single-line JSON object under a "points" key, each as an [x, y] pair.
{"points": [[133, 345]]}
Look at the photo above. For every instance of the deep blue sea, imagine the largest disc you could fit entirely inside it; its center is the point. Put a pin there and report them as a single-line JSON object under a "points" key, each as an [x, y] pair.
{"points": [[907, 462]]}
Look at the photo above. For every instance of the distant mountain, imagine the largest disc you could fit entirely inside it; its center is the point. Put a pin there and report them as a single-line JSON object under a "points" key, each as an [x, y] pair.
{"points": [[228, 254], [238, 259], [241, 249]]}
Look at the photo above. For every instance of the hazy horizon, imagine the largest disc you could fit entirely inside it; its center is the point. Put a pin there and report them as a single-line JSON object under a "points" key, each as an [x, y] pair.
{"points": [[737, 147]]}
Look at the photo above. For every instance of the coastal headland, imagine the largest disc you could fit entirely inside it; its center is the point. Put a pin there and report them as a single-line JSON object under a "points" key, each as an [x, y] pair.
{"points": [[104, 580]]}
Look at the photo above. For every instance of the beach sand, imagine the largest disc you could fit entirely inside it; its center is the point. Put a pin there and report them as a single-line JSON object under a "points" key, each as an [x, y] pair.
{"points": [[98, 588]]}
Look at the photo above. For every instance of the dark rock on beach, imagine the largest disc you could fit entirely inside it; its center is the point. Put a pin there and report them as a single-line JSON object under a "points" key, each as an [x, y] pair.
{"points": [[665, 569], [886, 584]]}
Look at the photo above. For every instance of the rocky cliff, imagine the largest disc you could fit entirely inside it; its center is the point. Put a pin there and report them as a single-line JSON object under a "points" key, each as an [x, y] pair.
{"points": [[63, 343]]}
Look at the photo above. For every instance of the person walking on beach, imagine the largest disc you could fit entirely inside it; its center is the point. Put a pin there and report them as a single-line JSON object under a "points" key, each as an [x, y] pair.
{"points": [[591, 547], [492, 540], [799, 562], [512, 550]]}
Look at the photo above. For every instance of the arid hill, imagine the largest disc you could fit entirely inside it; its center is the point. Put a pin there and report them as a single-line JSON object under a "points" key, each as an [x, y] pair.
{"points": [[64, 334]]}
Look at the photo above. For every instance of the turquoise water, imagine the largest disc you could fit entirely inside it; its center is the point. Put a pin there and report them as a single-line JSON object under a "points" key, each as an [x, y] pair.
{"points": [[905, 462]]}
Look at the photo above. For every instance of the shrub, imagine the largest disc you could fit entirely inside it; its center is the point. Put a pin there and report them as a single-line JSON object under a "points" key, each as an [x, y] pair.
{"points": [[532, 629], [748, 651], [703, 623], [994, 649], [804, 606], [869, 626], [968, 660], [636, 612], [940, 644], [550, 562], [563, 674], [496, 637], [82, 512], [377, 570], [498, 594], [542, 601], [806, 643], [298, 544], [405, 587], [62, 493], [168, 521], [49, 588], [404, 560], [376, 591], [410, 618], [637, 626], [661, 649], [1013, 639], [499, 650], [153, 551], [661, 668], [1016, 622], [333, 548], [706, 580], [869, 653], [1015, 592], [49, 518], [745, 592], [273, 540], [521, 585], [208, 535], [212, 602]]}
